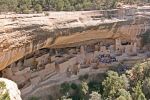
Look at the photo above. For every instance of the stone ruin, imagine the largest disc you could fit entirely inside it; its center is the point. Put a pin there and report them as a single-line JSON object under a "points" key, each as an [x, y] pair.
{"points": [[36, 49]]}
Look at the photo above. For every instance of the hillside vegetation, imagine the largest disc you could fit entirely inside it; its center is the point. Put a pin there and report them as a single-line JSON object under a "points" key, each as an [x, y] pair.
{"points": [[30, 6], [133, 84]]}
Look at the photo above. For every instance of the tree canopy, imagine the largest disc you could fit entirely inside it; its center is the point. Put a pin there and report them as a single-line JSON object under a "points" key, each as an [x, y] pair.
{"points": [[134, 84], [113, 83], [26, 6]]}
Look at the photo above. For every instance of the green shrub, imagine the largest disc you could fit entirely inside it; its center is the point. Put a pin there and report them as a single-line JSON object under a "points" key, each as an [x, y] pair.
{"points": [[74, 86], [64, 88], [24, 8], [38, 8], [5, 96], [2, 85], [95, 86], [46, 14]]}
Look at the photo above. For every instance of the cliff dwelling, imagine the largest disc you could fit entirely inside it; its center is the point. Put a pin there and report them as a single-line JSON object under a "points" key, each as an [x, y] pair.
{"points": [[36, 49]]}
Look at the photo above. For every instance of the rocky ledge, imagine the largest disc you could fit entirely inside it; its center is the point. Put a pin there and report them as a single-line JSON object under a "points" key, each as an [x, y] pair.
{"points": [[21, 34]]}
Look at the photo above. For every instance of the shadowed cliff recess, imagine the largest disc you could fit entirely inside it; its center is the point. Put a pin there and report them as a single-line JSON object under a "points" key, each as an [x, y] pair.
{"points": [[40, 51], [21, 34]]}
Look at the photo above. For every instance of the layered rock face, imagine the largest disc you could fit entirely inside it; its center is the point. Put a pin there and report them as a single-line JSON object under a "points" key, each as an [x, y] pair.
{"points": [[24, 34]]}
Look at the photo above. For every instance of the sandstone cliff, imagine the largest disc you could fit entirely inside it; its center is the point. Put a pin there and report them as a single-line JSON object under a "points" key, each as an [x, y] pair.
{"points": [[23, 34]]}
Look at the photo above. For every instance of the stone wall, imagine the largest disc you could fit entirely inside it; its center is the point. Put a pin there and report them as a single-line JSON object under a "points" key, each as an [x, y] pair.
{"points": [[67, 64], [49, 32]]}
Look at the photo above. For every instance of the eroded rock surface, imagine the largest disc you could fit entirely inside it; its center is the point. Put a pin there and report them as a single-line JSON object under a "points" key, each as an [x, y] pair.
{"points": [[23, 34]]}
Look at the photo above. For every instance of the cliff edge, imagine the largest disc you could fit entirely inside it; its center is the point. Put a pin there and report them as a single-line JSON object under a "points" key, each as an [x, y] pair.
{"points": [[21, 34]]}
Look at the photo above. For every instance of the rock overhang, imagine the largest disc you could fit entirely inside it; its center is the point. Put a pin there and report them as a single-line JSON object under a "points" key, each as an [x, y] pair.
{"points": [[23, 34]]}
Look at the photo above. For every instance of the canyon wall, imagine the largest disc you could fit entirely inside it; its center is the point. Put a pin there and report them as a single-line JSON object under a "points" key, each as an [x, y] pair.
{"points": [[23, 34]]}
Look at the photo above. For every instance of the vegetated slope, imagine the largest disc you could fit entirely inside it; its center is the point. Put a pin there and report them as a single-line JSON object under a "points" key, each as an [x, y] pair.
{"points": [[28, 6]]}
